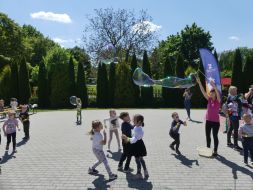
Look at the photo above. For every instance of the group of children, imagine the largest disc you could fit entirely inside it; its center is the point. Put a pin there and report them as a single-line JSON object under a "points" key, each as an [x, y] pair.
{"points": [[10, 126], [132, 143]]}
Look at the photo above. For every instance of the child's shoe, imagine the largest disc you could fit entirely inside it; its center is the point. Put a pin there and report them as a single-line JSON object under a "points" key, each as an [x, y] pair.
{"points": [[178, 152], [215, 154], [246, 163], [120, 168], [92, 171], [146, 175], [7, 147], [138, 176], [113, 176], [128, 170]]}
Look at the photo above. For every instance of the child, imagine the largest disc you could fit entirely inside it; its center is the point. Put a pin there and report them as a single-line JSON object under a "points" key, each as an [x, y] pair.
{"points": [[126, 129], [14, 104], [9, 129], [114, 125], [97, 147], [174, 131], [246, 132], [79, 111], [24, 118], [138, 146]]}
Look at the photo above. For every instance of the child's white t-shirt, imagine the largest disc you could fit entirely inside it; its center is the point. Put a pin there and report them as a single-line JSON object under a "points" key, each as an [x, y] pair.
{"points": [[96, 141], [137, 134]]}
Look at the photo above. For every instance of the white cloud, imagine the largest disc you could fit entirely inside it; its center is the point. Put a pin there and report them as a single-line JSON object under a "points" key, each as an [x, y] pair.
{"points": [[147, 26], [234, 38], [63, 18], [62, 41]]}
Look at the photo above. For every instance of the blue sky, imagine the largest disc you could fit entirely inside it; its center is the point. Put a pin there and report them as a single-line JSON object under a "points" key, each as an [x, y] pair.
{"points": [[229, 21]]}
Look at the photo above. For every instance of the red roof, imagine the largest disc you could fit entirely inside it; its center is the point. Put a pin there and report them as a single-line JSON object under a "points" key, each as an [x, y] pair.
{"points": [[226, 81]]}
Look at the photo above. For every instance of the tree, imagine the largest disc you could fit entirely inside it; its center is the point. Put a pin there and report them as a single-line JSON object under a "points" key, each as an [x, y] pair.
{"points": [[136, 88], [247, 72], [124, 92], [146, 92], [14, 87], [112, 81], [123, 29], [168, 94], [43, 86], [237, 70], [24, 85], [72, 81], [179, 73], [57, 60], [102, 86], [81, 85], [5, 83]]}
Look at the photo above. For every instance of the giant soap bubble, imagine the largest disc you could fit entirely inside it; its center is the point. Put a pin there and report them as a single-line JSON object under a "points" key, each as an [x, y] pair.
{"points": [[142, 79]]}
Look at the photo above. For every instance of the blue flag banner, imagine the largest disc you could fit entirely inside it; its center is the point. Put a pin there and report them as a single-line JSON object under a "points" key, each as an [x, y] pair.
{"points": [[212, 69]]}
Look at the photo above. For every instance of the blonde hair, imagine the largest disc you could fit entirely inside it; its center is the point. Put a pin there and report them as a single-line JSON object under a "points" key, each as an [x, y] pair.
{"points": [[174, 114], [95, 124], [231, 89], [247, 118]]}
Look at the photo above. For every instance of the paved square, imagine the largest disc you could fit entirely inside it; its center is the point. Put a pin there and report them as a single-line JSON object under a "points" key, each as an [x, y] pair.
{"points": [[59, 154]]}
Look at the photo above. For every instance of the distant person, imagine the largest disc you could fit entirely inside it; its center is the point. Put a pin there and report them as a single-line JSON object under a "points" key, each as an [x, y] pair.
{"points": [[97, 146], [24, 118], [9, 129], [138, 146], [249, 97], [126, 129], [1, 105], [174, 131], [212, 115], [187, 102], [113, 128], [234, 105], [246, 132], [14, 104]]}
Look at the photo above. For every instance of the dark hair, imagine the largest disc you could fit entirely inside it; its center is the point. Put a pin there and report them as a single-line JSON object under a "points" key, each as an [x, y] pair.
{"points": [[140, 118], [173, 114], [123, 115]]}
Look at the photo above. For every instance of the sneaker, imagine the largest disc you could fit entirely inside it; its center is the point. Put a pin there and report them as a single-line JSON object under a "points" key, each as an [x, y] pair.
{"points": [[92, 171], [178, 152], [146, 175], [113, 176], [120, 168], [236, 147], [138, 176], [230, 144], [215, 154], [7, 147], [172, 147], [246, 163], [128, 170], [15, 150], [108, 150]]}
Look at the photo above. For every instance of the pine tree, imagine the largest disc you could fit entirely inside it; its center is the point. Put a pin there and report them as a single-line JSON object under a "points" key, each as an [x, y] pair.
{"points": [[136, 88], [146, 92], [14, 88], [247, 72], [71, 72], [42, 86], [102, 86], [237, 70], [124, 92], [81, 85], [112, 80], [167, 93], [24, 85]]}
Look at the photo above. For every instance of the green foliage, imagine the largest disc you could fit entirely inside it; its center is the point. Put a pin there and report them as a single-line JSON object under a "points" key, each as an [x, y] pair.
{"points": [[237, 77], [124, 91], [34, 75], [14, 87], [71, 73], [24, 85], [112, 81], [81, 85], [43, 100], [5, 83], [102, 86], [136, 88], [4, 61], [146, 92], [57, 61], [247, 73], [179, 73]]}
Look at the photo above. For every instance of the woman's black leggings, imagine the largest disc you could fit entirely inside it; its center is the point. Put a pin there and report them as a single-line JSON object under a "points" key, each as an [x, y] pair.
{"points": [[140, 162], [212, 126]]}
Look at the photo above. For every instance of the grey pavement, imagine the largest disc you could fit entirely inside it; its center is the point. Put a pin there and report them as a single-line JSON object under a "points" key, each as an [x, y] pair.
{"points": [[59, 154]]}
